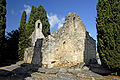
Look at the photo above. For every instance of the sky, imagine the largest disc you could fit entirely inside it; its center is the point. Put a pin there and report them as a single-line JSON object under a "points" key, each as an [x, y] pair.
{"points": [[57, 10]]}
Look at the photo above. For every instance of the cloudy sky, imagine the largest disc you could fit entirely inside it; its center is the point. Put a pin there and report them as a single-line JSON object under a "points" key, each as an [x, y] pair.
{"points": [[57, 10]]}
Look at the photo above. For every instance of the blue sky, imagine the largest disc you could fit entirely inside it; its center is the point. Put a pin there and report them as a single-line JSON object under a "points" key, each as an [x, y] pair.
{"points": [[57, 10]]}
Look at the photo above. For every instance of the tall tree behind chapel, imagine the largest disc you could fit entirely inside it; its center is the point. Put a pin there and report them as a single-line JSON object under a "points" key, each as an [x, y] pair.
{"points": [[38, 14], [22, 36], [2, 25], [108, 33]]}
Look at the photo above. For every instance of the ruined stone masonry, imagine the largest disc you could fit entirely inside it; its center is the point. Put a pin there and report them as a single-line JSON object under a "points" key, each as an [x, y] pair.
{"points": [[34, 50], [65, 47]]}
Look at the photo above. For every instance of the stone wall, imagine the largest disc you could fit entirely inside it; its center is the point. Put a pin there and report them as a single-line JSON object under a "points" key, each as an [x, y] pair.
{"points": [[90, 48], [66, 46], [37, 57], [28, 55], [35, 50], [37, 34]]}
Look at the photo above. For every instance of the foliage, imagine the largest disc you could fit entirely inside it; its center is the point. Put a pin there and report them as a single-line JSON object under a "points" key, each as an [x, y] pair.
{"points": [[2, 25], [26, 29], [108, 29], [22, 36], [12, 45], [38, 14]]}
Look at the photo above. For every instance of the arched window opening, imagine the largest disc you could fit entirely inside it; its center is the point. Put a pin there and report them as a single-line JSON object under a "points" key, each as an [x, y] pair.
{"points": [[73, 18], [38, 25], [74, 21]]}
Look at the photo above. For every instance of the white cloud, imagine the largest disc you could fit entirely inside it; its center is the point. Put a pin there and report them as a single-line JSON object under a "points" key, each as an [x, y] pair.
{"points": [[27, 9], [60, 24], [54, 20]]}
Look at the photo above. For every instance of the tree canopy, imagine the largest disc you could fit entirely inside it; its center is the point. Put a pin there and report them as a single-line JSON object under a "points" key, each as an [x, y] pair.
{"points": [[38, 14], [22, 36], [26, 29], [108, 33], [2, 25]]}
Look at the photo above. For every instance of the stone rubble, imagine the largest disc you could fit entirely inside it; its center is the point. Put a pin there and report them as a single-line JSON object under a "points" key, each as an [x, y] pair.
{"points": [[32, 72]]}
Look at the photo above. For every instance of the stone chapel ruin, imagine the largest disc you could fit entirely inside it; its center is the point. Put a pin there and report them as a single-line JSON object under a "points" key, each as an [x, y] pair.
{"points": [[68, 46]]}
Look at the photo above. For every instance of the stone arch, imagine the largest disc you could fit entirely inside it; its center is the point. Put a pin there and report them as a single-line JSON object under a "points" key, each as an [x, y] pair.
{"points": [[73, 18], [38, 24], [74, 21], [37, 34]]}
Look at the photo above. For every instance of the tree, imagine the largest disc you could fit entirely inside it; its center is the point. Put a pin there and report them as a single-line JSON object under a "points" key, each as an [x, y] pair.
{"points": [[108, 29], [22, 36], [44, 20], [12, 45], [2, 25], [26, 29], [36, 14], [31, 22]]}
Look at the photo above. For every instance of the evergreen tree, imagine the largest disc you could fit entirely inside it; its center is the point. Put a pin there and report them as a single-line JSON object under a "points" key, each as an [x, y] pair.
{"points": [[31, 22], [44, 20], [22, 36], [108, 29], [36, 14], [2, 25], [12, 45]]}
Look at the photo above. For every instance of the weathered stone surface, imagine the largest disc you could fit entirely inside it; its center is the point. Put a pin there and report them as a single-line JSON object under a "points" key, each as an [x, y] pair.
{"points": [[90, 49], [37, 57], [85, 68], [52, 71], [19, 63], [39, 76], [88, 74], [81, 65], [37, 34], [42, 70], [35, 49], [66, 47], [77, 70], [69, 45], [53, 78], [25, 72], [63, 70], [28, 55], [29, 78], [66, 76]]}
